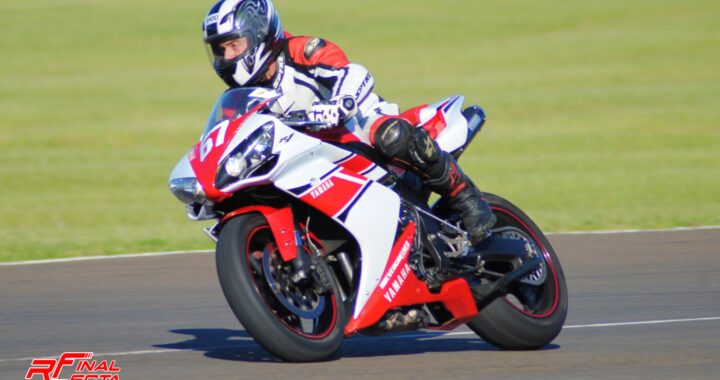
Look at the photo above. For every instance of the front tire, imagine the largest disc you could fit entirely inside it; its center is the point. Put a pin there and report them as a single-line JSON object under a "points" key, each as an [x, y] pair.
{"points": [[293, 322], [530, 314]]}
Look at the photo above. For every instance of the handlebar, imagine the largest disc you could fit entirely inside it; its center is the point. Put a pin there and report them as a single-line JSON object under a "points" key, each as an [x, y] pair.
{"points": [[299, 119]]}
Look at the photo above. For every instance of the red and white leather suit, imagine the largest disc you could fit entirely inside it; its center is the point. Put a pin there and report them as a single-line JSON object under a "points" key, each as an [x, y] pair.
{"points": [[314, 70]]}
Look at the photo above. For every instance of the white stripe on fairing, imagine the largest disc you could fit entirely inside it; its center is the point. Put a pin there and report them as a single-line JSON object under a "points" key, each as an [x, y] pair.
{"points": [[350, 178], [250, 343], [152, 254]]}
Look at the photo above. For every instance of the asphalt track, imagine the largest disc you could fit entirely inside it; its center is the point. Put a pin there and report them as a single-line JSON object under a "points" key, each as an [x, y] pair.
{"points": [[642, 306]]}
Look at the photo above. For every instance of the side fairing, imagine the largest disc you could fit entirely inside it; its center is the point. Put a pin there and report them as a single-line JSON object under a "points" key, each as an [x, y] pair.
{"points": [[368, 210], [182, 169]]}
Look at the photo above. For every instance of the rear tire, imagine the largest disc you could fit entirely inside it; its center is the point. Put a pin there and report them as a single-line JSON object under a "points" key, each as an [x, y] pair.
{"points": [[259, 309], [527, 316]]}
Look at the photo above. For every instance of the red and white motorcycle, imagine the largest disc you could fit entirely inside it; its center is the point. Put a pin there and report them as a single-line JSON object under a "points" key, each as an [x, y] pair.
{"points": [[319, 240]]}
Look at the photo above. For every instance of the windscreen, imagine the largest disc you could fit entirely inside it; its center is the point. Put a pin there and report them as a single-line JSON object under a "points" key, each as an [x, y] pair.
{"points": [[235, 103]]}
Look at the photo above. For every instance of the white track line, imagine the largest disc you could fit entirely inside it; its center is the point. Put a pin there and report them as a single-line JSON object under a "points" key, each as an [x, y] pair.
{"points": [[362, 339], [153, 254], [611, 232], [656, 322], [86, 258]]}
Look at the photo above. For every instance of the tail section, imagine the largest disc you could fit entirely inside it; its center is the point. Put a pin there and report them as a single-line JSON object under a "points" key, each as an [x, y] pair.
{"points": [[475, 117], [447, 123]]}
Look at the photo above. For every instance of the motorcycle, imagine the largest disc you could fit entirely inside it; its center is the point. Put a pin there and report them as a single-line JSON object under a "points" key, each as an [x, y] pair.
{"points": [[318, 240]]}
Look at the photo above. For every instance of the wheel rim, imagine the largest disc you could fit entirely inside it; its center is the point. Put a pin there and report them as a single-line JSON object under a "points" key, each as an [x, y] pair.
{"points": [[299, 308], [539, 300]]}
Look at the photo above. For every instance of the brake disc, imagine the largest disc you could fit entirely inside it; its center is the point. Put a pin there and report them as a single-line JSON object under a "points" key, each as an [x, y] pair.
{"points": [[303, 302]]}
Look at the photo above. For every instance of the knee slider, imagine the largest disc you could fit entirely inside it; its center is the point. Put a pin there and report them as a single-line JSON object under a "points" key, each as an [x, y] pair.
{"points": [[423, 150], [393, 137]]}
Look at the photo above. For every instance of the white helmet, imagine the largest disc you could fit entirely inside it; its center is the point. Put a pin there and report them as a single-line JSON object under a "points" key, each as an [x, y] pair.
{"points": [[254, 20]]}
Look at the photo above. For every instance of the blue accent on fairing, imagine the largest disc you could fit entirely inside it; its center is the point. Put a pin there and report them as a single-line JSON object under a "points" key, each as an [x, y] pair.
{"points": [[299, 190], [369, 170], [328, 174], [475, 117], [345, 213], [447, 107], [344, 158], [474, 124]]}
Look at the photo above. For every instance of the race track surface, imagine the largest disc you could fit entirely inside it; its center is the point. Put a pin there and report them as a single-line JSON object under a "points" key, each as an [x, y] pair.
{"points": [[165, 317]]}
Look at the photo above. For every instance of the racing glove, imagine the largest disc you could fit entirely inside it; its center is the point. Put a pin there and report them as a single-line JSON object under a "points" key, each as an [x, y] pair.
{"points": [[332, 113]]}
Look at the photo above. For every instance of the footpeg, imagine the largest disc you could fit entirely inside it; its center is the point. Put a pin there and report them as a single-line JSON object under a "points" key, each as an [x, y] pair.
{"points": [[458, 245]]}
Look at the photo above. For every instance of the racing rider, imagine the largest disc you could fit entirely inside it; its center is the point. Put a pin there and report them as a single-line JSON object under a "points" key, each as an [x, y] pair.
{"points": [[248, 47]]}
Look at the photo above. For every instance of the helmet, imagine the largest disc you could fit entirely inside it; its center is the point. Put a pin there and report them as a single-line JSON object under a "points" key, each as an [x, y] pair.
{"points": [[258, 25]]}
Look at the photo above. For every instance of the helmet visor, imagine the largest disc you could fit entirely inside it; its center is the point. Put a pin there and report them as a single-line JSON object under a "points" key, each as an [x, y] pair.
{"points": [[228, 50]]}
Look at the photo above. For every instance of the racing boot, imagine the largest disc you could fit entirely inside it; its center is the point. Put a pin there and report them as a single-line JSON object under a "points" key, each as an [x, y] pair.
{"points": [[464, 198], [397, 139]]}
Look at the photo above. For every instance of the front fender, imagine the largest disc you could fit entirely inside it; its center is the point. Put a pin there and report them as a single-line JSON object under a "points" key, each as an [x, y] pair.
{"points": [[282, 225]]}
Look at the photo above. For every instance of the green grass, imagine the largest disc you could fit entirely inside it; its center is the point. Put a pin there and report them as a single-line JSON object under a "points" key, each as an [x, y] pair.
{"points": [[602, 115]]}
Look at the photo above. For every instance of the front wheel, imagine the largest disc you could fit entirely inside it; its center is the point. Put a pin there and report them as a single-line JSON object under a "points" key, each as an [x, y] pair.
{"points": [[292, 321], [532, 310]]}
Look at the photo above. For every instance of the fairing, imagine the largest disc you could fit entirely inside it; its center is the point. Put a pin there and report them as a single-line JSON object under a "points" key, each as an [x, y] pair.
{"points": [[340, 184], [445, 123]]}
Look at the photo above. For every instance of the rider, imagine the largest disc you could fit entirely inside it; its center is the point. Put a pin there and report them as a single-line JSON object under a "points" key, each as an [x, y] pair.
{"points": [[248, 47]]}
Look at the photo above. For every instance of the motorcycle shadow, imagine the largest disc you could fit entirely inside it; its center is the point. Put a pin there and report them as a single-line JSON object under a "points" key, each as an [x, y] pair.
{"points": [[238, 345], [223, 344]]}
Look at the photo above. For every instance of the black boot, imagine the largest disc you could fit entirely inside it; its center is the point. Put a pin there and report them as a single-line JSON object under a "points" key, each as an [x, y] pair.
{"points": [[397, 139], [464, 198], [476, 215]]}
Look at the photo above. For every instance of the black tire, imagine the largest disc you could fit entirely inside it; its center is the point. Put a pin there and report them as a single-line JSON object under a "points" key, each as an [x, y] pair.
{"points": [[502, 322], [260, 311]]}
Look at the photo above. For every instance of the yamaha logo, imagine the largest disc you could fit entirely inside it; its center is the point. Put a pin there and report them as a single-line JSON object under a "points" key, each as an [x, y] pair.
{"points": [[323, 187]]}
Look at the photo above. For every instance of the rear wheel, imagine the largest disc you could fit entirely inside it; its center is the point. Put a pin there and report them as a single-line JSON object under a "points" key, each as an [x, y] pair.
{"points": [[294, 322], [532, 310]]}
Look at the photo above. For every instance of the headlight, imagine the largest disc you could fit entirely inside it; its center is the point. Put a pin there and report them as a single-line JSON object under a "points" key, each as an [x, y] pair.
{"points": [[187, 190], [235, 166], [252, 156]]}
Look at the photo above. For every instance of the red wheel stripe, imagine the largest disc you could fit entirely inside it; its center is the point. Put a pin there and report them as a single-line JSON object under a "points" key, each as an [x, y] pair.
{"points": [[547, 260]]}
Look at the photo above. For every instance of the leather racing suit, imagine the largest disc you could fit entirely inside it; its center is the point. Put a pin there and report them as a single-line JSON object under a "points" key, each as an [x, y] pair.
{"points": [[312, 71]]}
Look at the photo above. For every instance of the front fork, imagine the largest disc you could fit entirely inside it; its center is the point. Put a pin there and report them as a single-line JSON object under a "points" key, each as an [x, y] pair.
{"points": [[289, 242], [301, 263]]}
